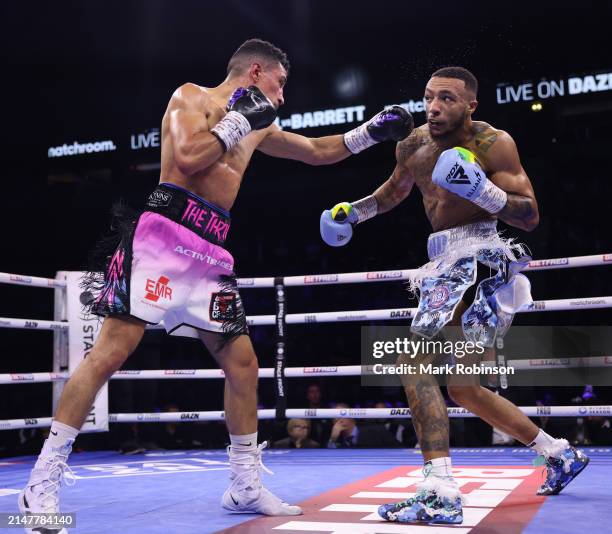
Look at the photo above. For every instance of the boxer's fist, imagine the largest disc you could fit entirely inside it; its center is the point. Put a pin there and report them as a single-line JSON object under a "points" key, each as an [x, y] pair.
{"points": [[393, 124], [458, 172], [336, 225], [248, 109], [344, 212], [252, 104]]}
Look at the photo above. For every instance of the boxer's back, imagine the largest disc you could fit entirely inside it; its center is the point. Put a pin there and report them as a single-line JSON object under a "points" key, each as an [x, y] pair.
{"points": [[219, 183]]}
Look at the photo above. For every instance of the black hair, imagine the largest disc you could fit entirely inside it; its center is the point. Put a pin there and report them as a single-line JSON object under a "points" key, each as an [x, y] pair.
{"points": [[257, 48], [471, 83]]}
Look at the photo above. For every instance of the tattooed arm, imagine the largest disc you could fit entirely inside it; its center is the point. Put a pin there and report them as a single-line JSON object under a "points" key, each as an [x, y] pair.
{"points": [[400, 183], [506, 172], [337, 230]]}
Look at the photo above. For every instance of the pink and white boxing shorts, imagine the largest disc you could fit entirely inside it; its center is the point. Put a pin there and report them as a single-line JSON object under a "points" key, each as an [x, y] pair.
{"points": [[170, 266]]}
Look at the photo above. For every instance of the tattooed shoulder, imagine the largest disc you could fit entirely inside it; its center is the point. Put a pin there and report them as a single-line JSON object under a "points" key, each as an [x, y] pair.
{"points": [[485, 136], [407, 147]]}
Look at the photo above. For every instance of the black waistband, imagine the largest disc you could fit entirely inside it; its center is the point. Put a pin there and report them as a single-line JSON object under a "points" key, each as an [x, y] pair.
{"points": [[190, 211]]}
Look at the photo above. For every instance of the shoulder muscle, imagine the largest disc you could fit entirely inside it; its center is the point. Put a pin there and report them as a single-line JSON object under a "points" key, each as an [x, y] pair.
{"points": [[486, 136], [406, 148], [503, 154]]}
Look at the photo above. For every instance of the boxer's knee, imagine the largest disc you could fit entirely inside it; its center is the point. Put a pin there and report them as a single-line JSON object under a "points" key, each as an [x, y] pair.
{"points": [[104, 362], [466, 395], [118, 338], [239, 363]]}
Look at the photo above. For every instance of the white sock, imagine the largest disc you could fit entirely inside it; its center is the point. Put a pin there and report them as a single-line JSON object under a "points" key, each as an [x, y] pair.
{"points": [[547, 446], [441, 467], [244, 443], [60, 435]]}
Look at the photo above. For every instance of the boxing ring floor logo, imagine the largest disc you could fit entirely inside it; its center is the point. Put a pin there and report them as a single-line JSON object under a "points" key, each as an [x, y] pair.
{"points": [[148, 468]]}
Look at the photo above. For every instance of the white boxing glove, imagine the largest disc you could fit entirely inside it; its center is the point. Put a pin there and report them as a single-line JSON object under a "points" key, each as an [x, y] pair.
{"points": [[457, 171]]}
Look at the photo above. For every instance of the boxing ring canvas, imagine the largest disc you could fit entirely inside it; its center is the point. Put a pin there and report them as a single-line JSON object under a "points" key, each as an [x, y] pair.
{"points": [[339, 490]]}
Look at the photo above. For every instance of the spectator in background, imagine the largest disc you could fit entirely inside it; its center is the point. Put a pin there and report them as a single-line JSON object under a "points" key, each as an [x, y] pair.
{"points": [[346, 433], [401, 429], [313, 396], [594, 429], [174, 436], [598, 430], [319, 428], [31, 440], [298, 430]]}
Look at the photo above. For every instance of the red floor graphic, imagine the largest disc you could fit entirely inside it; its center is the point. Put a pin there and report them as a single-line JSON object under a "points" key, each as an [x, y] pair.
{"points": [[500, 500]]}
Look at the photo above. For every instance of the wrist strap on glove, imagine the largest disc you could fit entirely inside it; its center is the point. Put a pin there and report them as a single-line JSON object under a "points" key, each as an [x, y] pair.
{"points": [[358, 139], [366, 208], [231, 129], [492, 198]]}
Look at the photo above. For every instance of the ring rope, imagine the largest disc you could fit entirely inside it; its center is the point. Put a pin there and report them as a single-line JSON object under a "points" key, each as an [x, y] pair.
{"points": [[533, 364], [33, 281], [339, 278], [390, 314], [310, 413], [360, 315]]}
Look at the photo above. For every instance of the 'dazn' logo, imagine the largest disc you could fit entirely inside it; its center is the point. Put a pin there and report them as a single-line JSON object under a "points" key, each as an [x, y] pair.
{"points": [[157, 289]]}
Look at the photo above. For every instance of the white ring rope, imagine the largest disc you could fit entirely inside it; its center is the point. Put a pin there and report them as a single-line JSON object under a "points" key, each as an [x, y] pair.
{"points": [[33, 281], [339, 278], [310, 413], [32, 324], [532, 364], [404, 274], [300, 318], [391, 314]]}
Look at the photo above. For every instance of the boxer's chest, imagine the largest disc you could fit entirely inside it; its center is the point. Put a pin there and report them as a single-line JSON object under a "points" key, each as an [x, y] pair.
{"points": [[425, 158]]}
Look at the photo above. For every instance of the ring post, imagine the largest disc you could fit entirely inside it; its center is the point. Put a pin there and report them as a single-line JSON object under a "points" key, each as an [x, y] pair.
{"points": [[279, 367], [82, 333]]}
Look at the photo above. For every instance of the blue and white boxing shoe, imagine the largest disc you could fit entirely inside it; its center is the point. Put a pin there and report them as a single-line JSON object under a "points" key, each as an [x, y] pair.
{"points": [[438, 500], [562, 468]]}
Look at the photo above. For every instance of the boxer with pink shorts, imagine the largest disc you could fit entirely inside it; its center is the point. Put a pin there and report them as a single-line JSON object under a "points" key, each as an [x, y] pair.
{"points": [[167, 262], [170, 266]]}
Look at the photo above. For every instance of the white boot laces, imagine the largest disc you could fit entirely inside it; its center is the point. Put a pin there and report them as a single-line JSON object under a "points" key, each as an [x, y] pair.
{"points": [[58, 470], [249, 463]]}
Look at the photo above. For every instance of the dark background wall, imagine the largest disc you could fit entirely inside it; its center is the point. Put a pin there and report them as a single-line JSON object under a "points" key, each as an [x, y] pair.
{"points": [[85, 71]]}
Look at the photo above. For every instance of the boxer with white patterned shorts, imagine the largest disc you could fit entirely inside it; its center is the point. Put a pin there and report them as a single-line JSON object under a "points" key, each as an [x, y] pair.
{"points": [[470, 176]]}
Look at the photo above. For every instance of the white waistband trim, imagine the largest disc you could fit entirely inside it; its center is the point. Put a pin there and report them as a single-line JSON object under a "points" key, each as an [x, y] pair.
{"points": [[447, 247]]}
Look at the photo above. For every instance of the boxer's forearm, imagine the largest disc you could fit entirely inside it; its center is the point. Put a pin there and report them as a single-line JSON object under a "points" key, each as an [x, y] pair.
{"points": [[520, 212], [391, 193], [327, 150], [309, 150]]}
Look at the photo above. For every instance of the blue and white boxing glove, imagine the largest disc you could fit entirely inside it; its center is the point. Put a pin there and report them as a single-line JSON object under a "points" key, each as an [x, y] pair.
{"points": [[457, 172], [337, 224]]}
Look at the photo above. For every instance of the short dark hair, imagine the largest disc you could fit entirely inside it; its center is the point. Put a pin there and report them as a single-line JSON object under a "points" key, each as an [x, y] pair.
{"points": [[471, 83], [257, 48]]}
